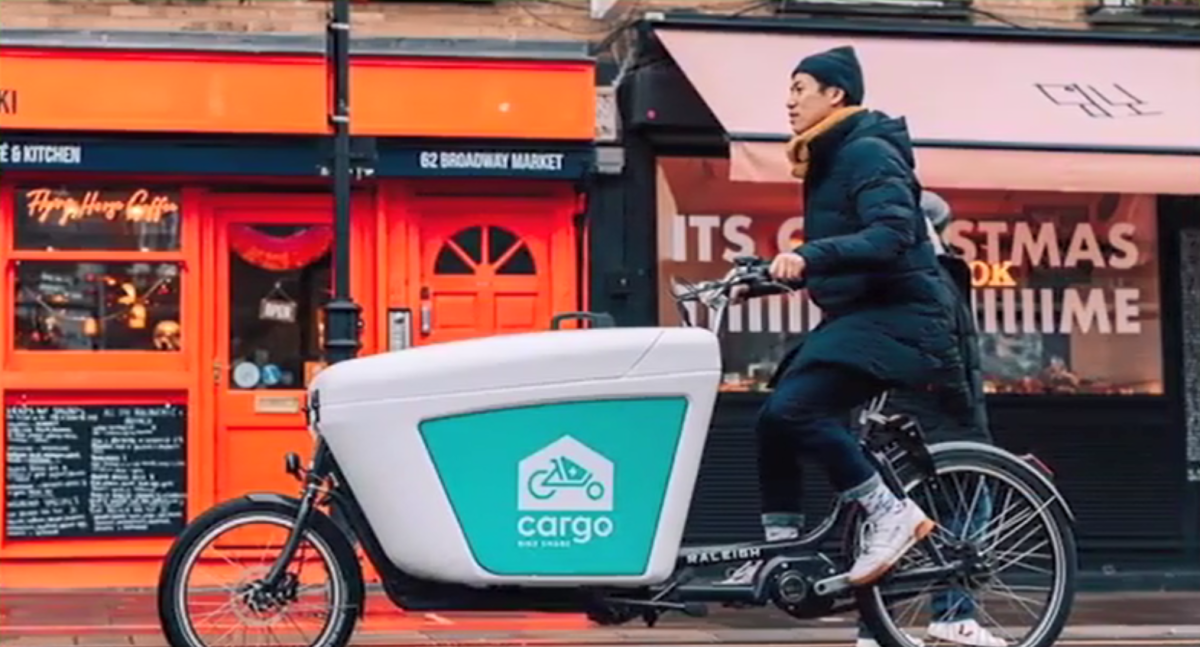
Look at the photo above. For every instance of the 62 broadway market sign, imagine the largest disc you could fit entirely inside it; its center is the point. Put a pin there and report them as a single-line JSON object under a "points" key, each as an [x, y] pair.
{"points": [[302, 157], [492, 160]]}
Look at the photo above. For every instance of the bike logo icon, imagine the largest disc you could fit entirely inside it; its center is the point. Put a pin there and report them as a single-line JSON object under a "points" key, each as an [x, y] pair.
{"points": [[565, 475], [544, 484]]}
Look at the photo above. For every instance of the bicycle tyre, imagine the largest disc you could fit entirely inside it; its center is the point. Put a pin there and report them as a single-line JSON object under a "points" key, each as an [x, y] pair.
{"points": [[175, 622], [970, 455]]}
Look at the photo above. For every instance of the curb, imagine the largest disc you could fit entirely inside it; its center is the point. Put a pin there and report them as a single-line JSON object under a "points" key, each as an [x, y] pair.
{"points": [[1077, 635]]}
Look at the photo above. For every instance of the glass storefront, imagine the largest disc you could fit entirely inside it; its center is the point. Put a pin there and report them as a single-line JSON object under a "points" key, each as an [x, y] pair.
{"points": [[97, 269], [1066, 284]]}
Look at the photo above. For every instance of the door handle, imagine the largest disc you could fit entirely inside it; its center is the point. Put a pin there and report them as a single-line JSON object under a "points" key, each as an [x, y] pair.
{"points": [[426, 318], [426, 311]]}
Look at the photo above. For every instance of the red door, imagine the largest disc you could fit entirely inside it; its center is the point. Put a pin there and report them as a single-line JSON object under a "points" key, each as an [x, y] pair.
{"points": [[271, 269], [483, 275]]}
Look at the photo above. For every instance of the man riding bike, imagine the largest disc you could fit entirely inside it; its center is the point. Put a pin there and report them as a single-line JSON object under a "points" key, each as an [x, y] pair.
{"points": [[867, 262]]}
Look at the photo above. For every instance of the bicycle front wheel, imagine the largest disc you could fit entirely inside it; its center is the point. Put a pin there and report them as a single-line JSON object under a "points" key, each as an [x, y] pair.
{"points": [[989, 507], [211, 592]]}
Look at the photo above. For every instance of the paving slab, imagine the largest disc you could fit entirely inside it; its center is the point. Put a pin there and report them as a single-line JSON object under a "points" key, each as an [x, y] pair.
{"points": [[128, 618]]}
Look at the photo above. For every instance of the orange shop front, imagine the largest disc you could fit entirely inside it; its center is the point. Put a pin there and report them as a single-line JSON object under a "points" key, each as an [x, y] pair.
{"points": [[166, 228]]}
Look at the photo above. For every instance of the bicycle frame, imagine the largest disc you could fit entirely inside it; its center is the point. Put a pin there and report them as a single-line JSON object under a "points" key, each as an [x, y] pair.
{"points": [[417, 594]]}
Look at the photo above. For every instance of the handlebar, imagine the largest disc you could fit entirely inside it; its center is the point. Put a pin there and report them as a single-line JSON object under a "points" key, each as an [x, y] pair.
{"points": [[750, 271]]}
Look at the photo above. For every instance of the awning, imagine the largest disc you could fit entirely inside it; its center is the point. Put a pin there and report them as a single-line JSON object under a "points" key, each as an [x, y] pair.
{"points": [[1017, 170], [984, 114]]}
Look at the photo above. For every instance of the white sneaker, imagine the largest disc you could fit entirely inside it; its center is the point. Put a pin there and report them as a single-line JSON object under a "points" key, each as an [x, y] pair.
{"points": [[964, 632], [886, 538], [871, 642]]}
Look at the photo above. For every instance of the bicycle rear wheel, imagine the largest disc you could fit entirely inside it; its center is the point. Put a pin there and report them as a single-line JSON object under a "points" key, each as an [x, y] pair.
{"points": [[990, 506]]}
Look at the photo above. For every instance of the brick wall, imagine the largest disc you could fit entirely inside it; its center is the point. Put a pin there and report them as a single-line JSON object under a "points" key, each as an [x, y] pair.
{"points": [[1038, 13], [509, 19]]}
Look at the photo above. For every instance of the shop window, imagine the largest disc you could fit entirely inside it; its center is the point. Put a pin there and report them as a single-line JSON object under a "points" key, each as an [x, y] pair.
{"points": [[59, 219], [916, 9], [279, 278], [97, 269], [464, 253], [1143, 13], [1066, 284], [1188, 6], [64, 305]]}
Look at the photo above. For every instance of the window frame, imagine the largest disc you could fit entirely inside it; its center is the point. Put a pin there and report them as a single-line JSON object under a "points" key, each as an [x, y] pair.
{"points": [[1116, 13], [139, 367], [946, 10], [228, 326], [455, 250], [1151, 6]]}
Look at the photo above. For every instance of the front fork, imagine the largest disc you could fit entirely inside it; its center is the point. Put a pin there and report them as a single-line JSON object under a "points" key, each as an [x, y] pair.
{"points": [[310, 496]]}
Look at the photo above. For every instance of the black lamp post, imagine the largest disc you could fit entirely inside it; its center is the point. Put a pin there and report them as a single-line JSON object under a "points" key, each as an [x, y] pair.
{"points": [[341, 313]]}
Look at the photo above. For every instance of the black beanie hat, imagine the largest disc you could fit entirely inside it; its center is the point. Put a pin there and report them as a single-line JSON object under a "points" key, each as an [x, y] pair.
{"points": [[839, 68]]}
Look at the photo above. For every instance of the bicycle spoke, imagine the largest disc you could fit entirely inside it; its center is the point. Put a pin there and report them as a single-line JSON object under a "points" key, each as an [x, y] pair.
{"points": [[222, 604], [989, 515]]}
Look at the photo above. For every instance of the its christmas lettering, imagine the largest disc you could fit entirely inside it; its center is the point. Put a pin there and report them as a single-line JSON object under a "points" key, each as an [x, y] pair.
{"points": [[1002, 255]]}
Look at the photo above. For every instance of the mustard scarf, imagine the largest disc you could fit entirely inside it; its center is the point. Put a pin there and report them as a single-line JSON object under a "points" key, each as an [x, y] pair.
{"points": [[797, 149]]}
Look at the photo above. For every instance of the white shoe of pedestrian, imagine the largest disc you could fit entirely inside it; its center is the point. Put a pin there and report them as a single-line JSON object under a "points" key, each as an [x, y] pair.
{"points": [[886, 537], [964, 632], [864, 641]]}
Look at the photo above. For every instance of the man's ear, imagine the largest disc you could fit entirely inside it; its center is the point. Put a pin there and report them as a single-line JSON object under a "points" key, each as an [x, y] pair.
{"points": [[836, 95]]}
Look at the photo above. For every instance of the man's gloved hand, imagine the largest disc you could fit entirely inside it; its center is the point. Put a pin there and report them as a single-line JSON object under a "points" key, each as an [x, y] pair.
{"points": [[788, 266]]}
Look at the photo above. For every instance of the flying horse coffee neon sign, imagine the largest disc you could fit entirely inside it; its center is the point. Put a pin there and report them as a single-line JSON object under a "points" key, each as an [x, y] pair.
{"points": [[47, 205]]}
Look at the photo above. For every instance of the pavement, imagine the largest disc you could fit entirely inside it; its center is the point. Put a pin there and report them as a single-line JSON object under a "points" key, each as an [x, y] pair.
{"points": [[129, 618]]}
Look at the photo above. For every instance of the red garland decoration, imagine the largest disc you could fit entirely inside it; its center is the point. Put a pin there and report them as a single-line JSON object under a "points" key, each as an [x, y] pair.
{"points": [[280, 253]]}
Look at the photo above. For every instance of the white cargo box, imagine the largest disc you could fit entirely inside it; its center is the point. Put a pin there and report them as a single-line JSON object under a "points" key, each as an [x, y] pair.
{"points": [[522, 459]]}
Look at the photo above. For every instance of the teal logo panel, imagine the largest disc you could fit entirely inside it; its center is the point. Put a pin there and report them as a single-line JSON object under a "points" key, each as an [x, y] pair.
{"points": [[572, 488]]}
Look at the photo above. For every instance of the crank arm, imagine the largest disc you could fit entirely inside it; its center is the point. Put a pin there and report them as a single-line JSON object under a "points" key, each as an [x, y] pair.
{"points": [[840, 583]]}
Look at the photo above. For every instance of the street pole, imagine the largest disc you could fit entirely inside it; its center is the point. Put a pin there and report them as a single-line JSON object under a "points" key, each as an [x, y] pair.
{"points": [[341, 313]]}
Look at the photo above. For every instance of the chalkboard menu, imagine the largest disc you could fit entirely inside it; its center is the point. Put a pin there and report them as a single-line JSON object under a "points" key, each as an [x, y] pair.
{"points": [[95, 470]]}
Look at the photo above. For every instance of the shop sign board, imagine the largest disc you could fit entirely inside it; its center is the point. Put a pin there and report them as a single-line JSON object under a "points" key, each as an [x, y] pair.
{"points": [[303, 157]]}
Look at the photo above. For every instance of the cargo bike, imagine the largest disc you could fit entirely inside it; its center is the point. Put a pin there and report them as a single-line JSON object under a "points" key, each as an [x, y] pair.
{"points": [[553, 472]]}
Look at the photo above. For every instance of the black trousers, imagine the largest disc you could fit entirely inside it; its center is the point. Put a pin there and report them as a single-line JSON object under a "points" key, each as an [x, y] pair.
{"points": [[809, 412]]}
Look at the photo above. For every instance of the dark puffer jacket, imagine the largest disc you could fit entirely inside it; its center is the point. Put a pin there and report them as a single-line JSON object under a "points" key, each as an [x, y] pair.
{"points": [[956, 409], [870, 266]]}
